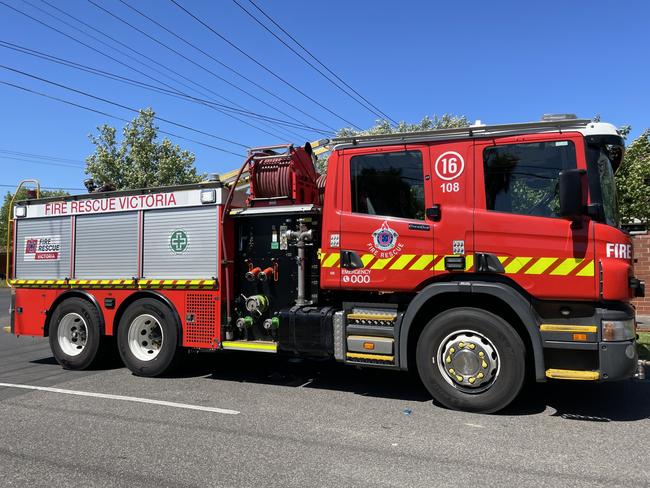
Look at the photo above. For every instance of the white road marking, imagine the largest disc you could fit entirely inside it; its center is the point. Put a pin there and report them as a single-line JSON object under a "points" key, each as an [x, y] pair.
{"points": [[123, 398], [475, 425]]}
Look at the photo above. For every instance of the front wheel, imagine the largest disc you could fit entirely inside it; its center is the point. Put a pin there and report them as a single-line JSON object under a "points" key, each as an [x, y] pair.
{"points": [[470, 359], [148, 338]]}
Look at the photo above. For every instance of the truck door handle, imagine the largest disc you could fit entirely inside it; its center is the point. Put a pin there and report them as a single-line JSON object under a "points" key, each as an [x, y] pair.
{"points": [[350, 260], [434, 213]]}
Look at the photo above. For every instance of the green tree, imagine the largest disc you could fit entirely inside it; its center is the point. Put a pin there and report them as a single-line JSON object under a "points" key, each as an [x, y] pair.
{"points": [[632, 181], [445, 121], [4, 210], [140, 160]]}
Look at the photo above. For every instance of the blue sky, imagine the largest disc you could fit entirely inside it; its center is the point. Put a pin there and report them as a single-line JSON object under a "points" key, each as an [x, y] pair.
{"points": [[495, 61]]}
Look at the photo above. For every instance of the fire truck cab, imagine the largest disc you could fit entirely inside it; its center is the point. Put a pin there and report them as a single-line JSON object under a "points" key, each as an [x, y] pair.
{"points": [[477, 256]]}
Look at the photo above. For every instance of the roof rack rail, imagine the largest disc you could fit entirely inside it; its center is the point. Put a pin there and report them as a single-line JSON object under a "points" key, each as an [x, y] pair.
{"points": [[470, 131]]}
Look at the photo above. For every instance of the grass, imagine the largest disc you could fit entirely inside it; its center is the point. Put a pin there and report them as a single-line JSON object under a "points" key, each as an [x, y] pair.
{"points": [[643, 345]]}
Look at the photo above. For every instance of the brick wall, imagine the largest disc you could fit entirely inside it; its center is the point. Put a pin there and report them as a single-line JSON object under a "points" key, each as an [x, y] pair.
{"points": [[642, 270]]}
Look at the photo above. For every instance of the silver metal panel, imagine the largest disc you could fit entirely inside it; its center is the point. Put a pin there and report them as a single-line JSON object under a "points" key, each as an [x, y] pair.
{"points": [[27, 266], [339, 353], [273, 210], [107, 246], [382, 345], [165, 257]]}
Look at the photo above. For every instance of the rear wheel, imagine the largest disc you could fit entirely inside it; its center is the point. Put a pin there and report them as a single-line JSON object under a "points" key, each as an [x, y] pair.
{"points": [[75, 337], [470, 359], [148, 338]]}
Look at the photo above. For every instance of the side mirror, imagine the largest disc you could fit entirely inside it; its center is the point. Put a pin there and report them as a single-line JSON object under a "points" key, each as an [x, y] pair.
{"points": [[573, 194]]}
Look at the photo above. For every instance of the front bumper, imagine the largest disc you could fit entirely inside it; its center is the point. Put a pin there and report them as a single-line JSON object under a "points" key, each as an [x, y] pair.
{"points": [[617, 360], [575, 349]]}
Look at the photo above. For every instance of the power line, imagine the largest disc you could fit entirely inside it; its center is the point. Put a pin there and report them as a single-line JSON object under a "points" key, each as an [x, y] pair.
{"points": [[372, 109], [46, 188], [100, 112], [40, 156], [47, 163], [99, 51], [140, 84], [234, 46], [164, 73], [319, 62], [212, 58], [125, 107]]}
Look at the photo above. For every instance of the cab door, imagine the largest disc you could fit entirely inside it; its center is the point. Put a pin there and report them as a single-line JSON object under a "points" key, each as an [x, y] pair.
{"points": [[386, 241], [516, 218]]}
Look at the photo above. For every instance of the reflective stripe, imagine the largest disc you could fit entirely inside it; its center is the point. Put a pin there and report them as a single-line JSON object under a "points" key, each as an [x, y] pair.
{"points": [[587, 270], [566, 266], [569, 374], [366, 258], [589, 329], [402, 261], [422, 262], [250, 346], [374, 357], [516, 264], [440, 265], [469, 262], [331, 260], [541, 265], [381, 263]]}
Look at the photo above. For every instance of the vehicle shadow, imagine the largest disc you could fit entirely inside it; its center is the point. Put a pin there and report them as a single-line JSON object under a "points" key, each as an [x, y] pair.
{"points": [[622, 401]]}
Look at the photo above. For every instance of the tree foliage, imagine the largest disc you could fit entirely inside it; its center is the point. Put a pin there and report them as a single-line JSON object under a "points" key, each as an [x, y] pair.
{"points": [[632, 181], [140, 160], [22, 195], [445, 121]]}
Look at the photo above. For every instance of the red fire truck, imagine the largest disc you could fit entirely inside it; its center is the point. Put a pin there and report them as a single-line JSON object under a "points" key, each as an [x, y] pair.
{"points": [[478, 257]]}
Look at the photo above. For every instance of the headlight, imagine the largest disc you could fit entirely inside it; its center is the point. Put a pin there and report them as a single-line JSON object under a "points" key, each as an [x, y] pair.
{"points": [[618, 330]]}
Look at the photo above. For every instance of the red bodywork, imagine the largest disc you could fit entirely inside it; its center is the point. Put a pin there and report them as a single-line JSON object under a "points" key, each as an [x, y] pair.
{"points": [[203, 331], [550, 258]]}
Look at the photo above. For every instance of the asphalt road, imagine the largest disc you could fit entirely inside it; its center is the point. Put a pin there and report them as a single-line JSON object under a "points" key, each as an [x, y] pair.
{"points": [[304, 424]]}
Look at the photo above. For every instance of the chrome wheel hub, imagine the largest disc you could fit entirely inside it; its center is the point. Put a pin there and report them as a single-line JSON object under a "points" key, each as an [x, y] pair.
{"points": [[72, 334], [145, 337], [468, 361]]}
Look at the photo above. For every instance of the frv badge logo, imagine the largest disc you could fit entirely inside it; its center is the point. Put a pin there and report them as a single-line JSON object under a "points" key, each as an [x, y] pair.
{"points": [[384, 242]]}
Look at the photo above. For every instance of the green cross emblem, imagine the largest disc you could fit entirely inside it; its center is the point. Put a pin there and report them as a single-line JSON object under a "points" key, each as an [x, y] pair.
{"points": [[178, 241]]}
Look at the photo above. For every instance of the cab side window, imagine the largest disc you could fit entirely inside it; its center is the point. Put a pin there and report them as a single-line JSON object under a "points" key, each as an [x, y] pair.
{"points": [[389, 184], [524, 178]]}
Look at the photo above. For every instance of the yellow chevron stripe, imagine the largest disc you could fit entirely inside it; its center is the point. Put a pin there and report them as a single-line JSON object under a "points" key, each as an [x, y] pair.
{"points": [[402, 261], [469, 262], [541, 265], [380, 263], [366, 258], [440, 265], [587, 270], [422, 262], [566, 267], [516, 264], [331, 260]]}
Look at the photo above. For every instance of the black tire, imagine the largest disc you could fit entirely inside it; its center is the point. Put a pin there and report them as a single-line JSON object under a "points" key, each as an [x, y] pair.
{"points": [[494, 395], [71, 312], [167, 355]]}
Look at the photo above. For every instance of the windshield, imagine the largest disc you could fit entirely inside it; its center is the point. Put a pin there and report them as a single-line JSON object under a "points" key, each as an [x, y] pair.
{"points": [[604, 156]]}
